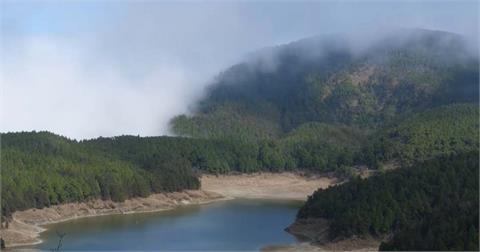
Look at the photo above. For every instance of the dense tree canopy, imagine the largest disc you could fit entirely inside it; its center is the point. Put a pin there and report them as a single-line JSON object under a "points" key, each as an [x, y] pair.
{"points": [[432, 205], [43, 169], [434, 132]]}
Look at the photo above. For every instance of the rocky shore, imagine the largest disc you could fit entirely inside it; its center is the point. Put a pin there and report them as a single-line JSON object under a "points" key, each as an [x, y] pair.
{"points": [[314, 236]]}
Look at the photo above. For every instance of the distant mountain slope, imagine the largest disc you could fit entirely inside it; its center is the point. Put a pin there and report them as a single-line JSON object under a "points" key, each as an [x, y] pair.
{"points": [[324, 80]]}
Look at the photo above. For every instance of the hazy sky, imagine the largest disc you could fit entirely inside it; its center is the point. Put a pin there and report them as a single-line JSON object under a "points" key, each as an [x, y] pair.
{"points": [[85, 69]]}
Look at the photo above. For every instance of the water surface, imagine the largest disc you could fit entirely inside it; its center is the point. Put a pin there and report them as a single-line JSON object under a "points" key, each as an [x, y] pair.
{"points": [[225, 225]]}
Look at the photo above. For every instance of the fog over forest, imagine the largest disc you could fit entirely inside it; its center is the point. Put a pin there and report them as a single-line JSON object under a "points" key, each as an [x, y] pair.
{"points": [[91, 68]]}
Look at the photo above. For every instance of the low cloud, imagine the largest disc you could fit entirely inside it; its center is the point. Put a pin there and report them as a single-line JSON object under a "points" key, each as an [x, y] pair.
{"points": [[89, 69], [56, 86]]}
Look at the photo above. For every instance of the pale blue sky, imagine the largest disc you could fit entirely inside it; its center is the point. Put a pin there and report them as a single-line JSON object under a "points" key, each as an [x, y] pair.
{"points": [[192, 31], [128, 66], [60, 17]]}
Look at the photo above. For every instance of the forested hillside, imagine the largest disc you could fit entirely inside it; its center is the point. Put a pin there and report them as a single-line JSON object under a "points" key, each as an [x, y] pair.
{"points": [[435, 132], [40, 169], [43, 169], [432, 205], [324, 80], [321, 105]]}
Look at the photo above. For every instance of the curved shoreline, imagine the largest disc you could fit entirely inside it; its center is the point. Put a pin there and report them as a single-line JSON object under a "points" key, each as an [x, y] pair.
{"points": [[281, 186], [26, 226]]}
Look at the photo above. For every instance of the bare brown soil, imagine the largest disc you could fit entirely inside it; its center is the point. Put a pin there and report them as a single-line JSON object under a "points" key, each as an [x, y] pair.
{"points": [[266, 185]]}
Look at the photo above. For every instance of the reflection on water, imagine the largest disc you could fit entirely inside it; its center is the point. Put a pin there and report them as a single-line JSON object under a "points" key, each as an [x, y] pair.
{"points": [[225, 225]]}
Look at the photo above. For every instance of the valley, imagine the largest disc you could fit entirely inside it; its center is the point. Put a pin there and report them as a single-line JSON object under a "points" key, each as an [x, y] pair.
{"points": [[379, 145]]}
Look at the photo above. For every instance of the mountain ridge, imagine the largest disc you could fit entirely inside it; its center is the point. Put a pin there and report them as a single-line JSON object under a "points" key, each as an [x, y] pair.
{"points": [[338, 87]]}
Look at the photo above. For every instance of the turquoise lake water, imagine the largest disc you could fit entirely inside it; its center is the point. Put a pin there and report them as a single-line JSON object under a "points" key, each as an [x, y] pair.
{"points": [[225, 225]]}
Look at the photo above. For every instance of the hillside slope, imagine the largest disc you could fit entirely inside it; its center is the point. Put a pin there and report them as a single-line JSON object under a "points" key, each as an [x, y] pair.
{"points": [[432, 205], [444, 130], [43, 169], [324, 80]]}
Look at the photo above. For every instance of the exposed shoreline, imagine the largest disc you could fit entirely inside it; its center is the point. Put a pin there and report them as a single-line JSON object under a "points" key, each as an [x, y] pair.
{"points": [[315, 234], [284, 186], [27, 225]]}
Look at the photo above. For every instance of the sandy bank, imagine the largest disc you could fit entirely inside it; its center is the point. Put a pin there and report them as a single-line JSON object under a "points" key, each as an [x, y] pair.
{"points": [[26, 225], [266, 185]]}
